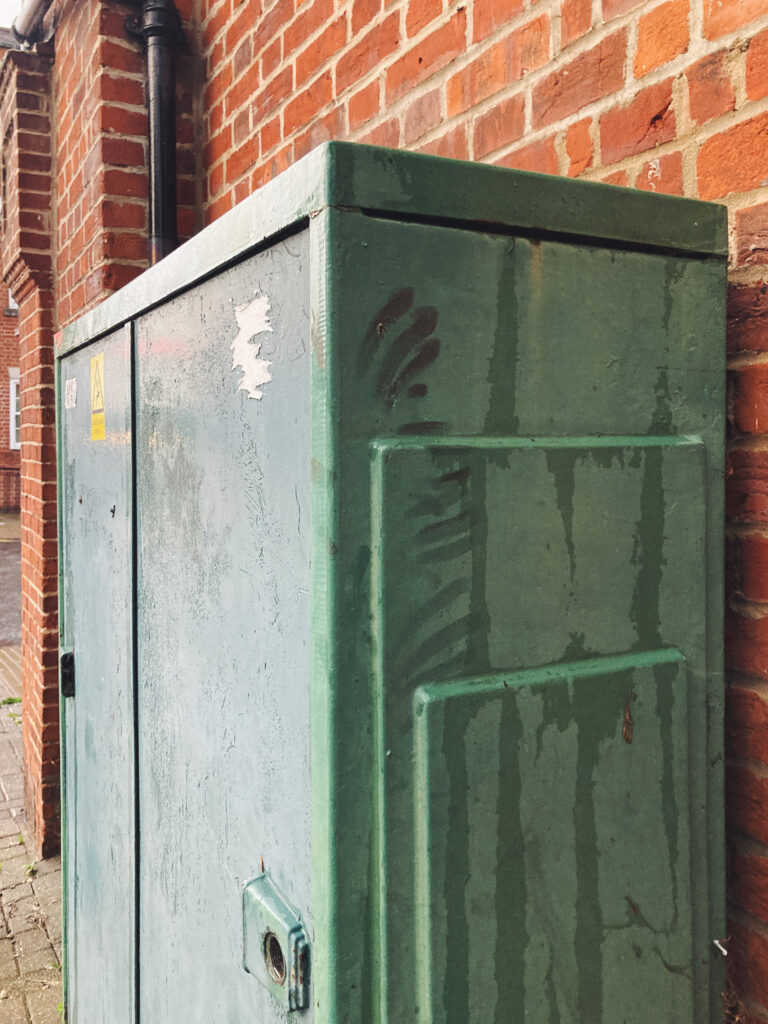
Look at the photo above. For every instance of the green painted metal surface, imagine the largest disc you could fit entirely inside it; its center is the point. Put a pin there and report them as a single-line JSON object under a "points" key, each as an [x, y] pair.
{"points": [[493, 788], [97, 724]]}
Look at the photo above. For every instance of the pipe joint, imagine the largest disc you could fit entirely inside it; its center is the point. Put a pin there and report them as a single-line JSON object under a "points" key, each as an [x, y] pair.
{"points": [[160, 18]]}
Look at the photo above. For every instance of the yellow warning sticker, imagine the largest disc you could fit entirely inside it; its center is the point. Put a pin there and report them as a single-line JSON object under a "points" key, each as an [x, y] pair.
{"points": [[98, 425]]}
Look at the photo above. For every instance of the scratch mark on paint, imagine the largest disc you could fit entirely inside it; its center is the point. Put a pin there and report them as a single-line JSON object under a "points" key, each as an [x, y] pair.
{"points": [[252, 319]]}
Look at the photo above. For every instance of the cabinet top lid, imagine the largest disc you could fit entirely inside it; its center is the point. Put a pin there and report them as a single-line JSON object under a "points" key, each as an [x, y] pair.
{"points": [[416, 187]]}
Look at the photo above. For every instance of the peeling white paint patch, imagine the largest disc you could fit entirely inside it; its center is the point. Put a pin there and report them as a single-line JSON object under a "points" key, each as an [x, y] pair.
{"points": [[654, 173], [70, 393], [252, 319]]}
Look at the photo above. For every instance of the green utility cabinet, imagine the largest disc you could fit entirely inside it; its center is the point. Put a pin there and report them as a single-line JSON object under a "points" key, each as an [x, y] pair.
{"points": [[391, 545]]}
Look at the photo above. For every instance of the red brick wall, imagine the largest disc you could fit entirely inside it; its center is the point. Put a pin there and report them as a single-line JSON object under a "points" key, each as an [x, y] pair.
{"points": [[26, 180], [101, 154], [9, 357]]}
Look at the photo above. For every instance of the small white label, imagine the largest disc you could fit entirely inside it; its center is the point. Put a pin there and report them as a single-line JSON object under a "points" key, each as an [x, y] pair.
{"points": [[70, 393]]}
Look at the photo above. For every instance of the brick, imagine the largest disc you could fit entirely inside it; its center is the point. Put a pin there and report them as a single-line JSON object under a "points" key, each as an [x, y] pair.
{"points": [[538, 156], [242, 57], [319, 53], [217, 86], [363, 13], [374, 47], [246, 14], [748, 317], [271, 58], [722, 16], [300, 111], [241, 128], [277, 16], [499, 126], [662, 35], [750, 398], [420, 13], [121, 90], [323, 130], [123, 153], [747, 486], [710, 91], [265, 102], [753, 574], [115, 57], [217, 21], [523, 50], [751, 226], [575, 20], [735, 160], [747, 803], [757, 67], [664, 174], [427, 57], [647, 121], [615, 8], [492, 14], [242, 89], [579, 147], [619, 178], [748, 881], [385, 134], [363, 106], [452, 144], [421, 116], [530, 45], [218, 146], [241, 160], [313, 17], [589, 77], [486, 75], [125, 183]]}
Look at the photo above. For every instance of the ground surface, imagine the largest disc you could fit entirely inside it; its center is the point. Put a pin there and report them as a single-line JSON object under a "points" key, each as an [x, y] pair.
{"points": [[10, 580], [30, 893]]}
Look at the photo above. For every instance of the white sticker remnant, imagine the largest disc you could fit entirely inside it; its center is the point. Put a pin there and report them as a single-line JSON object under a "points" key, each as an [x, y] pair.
{"points": [[252, 319], [70, 392]]}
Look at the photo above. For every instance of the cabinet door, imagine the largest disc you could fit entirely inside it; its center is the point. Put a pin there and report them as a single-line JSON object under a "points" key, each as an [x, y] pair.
{"points": [[223, 482], [97, 624]]}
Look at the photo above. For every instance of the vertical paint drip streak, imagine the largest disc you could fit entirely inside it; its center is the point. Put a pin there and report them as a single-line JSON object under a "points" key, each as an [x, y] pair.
{"points": [[511, 887]]}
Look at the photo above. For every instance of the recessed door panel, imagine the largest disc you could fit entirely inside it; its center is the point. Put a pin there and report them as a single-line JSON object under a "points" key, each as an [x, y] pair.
{"points": [[552, 855], [540, 622]]}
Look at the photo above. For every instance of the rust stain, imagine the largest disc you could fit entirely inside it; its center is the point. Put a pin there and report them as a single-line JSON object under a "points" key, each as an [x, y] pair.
{"points": [[632, 905], [628, 728]]}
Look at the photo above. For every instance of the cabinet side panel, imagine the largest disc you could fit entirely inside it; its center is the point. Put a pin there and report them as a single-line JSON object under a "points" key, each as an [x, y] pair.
{"points": [[441, 334]]}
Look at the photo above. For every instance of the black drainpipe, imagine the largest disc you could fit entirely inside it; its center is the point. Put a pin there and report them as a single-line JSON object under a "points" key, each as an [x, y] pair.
{"points": [[160, 28], [27, 27]]}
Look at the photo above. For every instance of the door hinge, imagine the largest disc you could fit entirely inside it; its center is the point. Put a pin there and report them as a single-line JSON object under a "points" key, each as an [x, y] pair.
{"points": [[67, 673]]}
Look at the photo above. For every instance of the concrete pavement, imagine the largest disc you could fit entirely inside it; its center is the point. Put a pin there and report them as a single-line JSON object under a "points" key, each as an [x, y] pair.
{"points": [[30, 893]]}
